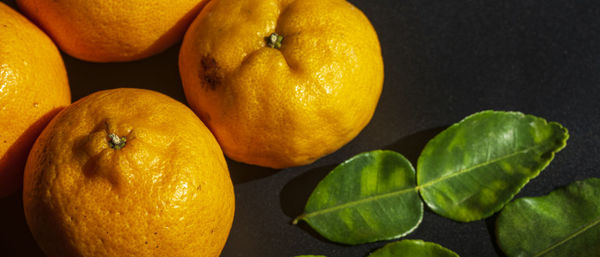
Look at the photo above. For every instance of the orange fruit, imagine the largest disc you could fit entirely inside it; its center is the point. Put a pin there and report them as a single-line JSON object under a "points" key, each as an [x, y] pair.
{"points": [[128, 172], [113, 30], [33, 88], [282, 83]]}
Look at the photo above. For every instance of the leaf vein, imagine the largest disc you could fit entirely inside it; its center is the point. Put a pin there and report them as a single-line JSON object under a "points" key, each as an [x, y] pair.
{"points": [[569, 237], [465, 170], [354, 203]]}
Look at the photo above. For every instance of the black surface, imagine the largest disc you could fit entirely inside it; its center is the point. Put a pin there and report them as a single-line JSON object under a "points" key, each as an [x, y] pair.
{"points": [[443, 61]]}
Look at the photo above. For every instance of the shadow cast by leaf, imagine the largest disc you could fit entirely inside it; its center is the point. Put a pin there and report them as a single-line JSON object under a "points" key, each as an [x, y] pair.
{"points": [[294, 195], [412, 145], [490, 223]]}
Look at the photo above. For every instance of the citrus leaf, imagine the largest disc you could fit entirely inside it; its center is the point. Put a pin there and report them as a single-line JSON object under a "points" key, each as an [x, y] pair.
{"points": [[311, 256], [564, 223], [470, 170], [413, 248], [370, 197]]}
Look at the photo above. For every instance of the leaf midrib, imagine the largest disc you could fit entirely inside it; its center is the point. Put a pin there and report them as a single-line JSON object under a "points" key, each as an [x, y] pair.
{"points": [[354, 203], [416, 188], [569, 237], [465, 170]]}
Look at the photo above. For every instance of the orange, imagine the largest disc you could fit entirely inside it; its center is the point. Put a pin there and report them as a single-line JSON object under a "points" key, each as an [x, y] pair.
{"points": [[128, 172], [282, 83], [33, 88], [113, 30]]}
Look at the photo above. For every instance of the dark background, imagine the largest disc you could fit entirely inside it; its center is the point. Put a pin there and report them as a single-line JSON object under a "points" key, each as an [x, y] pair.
{"points": [[443, 61]]}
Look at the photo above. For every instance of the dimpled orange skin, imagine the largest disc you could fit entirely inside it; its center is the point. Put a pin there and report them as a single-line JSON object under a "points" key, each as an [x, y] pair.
{"points": [[166, 192], [113, 30], [33, 88], [289, 106]]}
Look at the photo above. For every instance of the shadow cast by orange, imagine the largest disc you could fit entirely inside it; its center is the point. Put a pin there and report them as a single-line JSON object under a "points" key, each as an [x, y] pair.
{"points": [[241, 172], [12, 163], [15, 237]]}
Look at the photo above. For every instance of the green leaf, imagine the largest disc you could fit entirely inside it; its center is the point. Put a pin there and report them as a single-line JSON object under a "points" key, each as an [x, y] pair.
{"points": [[470, 170], [368, 198], [564, 223], [413, 248], [311, 256]]}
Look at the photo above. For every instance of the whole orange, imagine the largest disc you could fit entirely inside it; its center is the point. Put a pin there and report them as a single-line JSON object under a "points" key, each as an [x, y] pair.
{"points": [[279, 82], [113, 30], [33, 88], [128, 172]]}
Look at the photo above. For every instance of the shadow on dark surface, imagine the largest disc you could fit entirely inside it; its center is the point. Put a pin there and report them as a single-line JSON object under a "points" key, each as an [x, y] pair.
{"points": [[412, 145], [306, 228], [490, 223], [15, 238], [295, 193], [242, 173], [159, 72]]}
